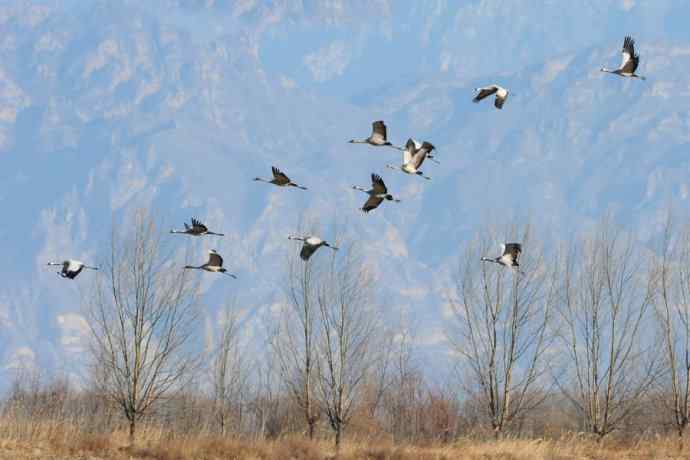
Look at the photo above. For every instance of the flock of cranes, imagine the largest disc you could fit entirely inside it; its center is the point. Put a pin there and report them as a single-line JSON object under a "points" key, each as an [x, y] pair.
{"points": [[413, 156]]}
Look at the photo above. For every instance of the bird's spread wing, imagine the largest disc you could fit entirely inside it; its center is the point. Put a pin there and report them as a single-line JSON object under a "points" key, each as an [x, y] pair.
{"points": [[198, 226], [215, 260], [484, 92], [629, 59], [421, 154], [378, 130], [279, 175], [410, 150], [498, 103], [372, 203], [378, 185], [514, 250], [307, 251]]}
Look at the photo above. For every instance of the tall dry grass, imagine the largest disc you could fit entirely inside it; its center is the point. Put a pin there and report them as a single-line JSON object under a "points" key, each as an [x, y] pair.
{"points": [[65, 440]]}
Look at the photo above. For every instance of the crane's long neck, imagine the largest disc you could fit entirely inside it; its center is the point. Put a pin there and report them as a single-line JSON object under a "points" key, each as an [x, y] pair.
{"points": [[361, 189], [177, 231], [54, 263], [607, 70], [296, 238], [486, 259], [191, 267], [259, 179], [396, 168], [359, 141]]}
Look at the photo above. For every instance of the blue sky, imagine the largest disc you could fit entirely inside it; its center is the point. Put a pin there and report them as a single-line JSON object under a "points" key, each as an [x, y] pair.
{"points": [[176, 105]]}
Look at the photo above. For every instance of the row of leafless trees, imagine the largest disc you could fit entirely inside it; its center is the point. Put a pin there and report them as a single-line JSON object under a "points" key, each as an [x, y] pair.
{"points": [[594, 336], [602, 323]]}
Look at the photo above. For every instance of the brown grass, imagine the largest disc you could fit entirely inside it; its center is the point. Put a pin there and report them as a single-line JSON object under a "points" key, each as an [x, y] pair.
{"points": [[63, 441]]}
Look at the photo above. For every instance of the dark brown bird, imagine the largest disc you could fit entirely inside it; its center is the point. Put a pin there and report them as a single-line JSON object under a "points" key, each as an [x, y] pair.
{"points": [[196, 229], [377, 193], [280, 179]]}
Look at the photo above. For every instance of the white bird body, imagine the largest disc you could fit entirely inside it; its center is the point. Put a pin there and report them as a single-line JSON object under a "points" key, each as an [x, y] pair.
{"points": [[71, 268], [413, 157], [310, 245], [500, 92]]}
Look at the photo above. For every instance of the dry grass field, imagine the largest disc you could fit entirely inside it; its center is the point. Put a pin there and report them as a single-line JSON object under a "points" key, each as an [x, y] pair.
{"points": [[60, 441]]}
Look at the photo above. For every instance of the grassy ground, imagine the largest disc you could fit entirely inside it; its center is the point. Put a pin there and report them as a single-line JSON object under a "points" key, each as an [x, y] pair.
{"points": [[59, 442]]}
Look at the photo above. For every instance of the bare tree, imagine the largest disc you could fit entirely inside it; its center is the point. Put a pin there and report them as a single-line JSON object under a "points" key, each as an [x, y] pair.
{"points": [[500, 333], [294, 342], [229, 374], [606, 298], [141, 319], [402, 398], [672, 302], [346, 348]]}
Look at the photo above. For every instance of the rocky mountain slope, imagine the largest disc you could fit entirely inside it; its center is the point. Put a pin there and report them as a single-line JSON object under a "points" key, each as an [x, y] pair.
{"points": [[175, 105]]}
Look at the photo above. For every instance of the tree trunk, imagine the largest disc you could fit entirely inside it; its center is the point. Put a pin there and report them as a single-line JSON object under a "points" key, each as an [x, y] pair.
{"points": [[312, 427], [132, 430], [681, 437], [338, 431]]}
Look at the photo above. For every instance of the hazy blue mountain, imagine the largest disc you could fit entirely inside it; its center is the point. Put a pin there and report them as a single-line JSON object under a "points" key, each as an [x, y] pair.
{"points": [[175, 105]]}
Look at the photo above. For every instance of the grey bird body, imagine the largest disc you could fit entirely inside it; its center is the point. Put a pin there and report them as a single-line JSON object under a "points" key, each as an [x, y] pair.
{"points": [[214, 264], [377, 194]]}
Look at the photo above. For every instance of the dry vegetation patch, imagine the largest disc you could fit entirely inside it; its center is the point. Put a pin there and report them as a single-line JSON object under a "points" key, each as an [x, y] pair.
{"points": [[89, 446]]}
